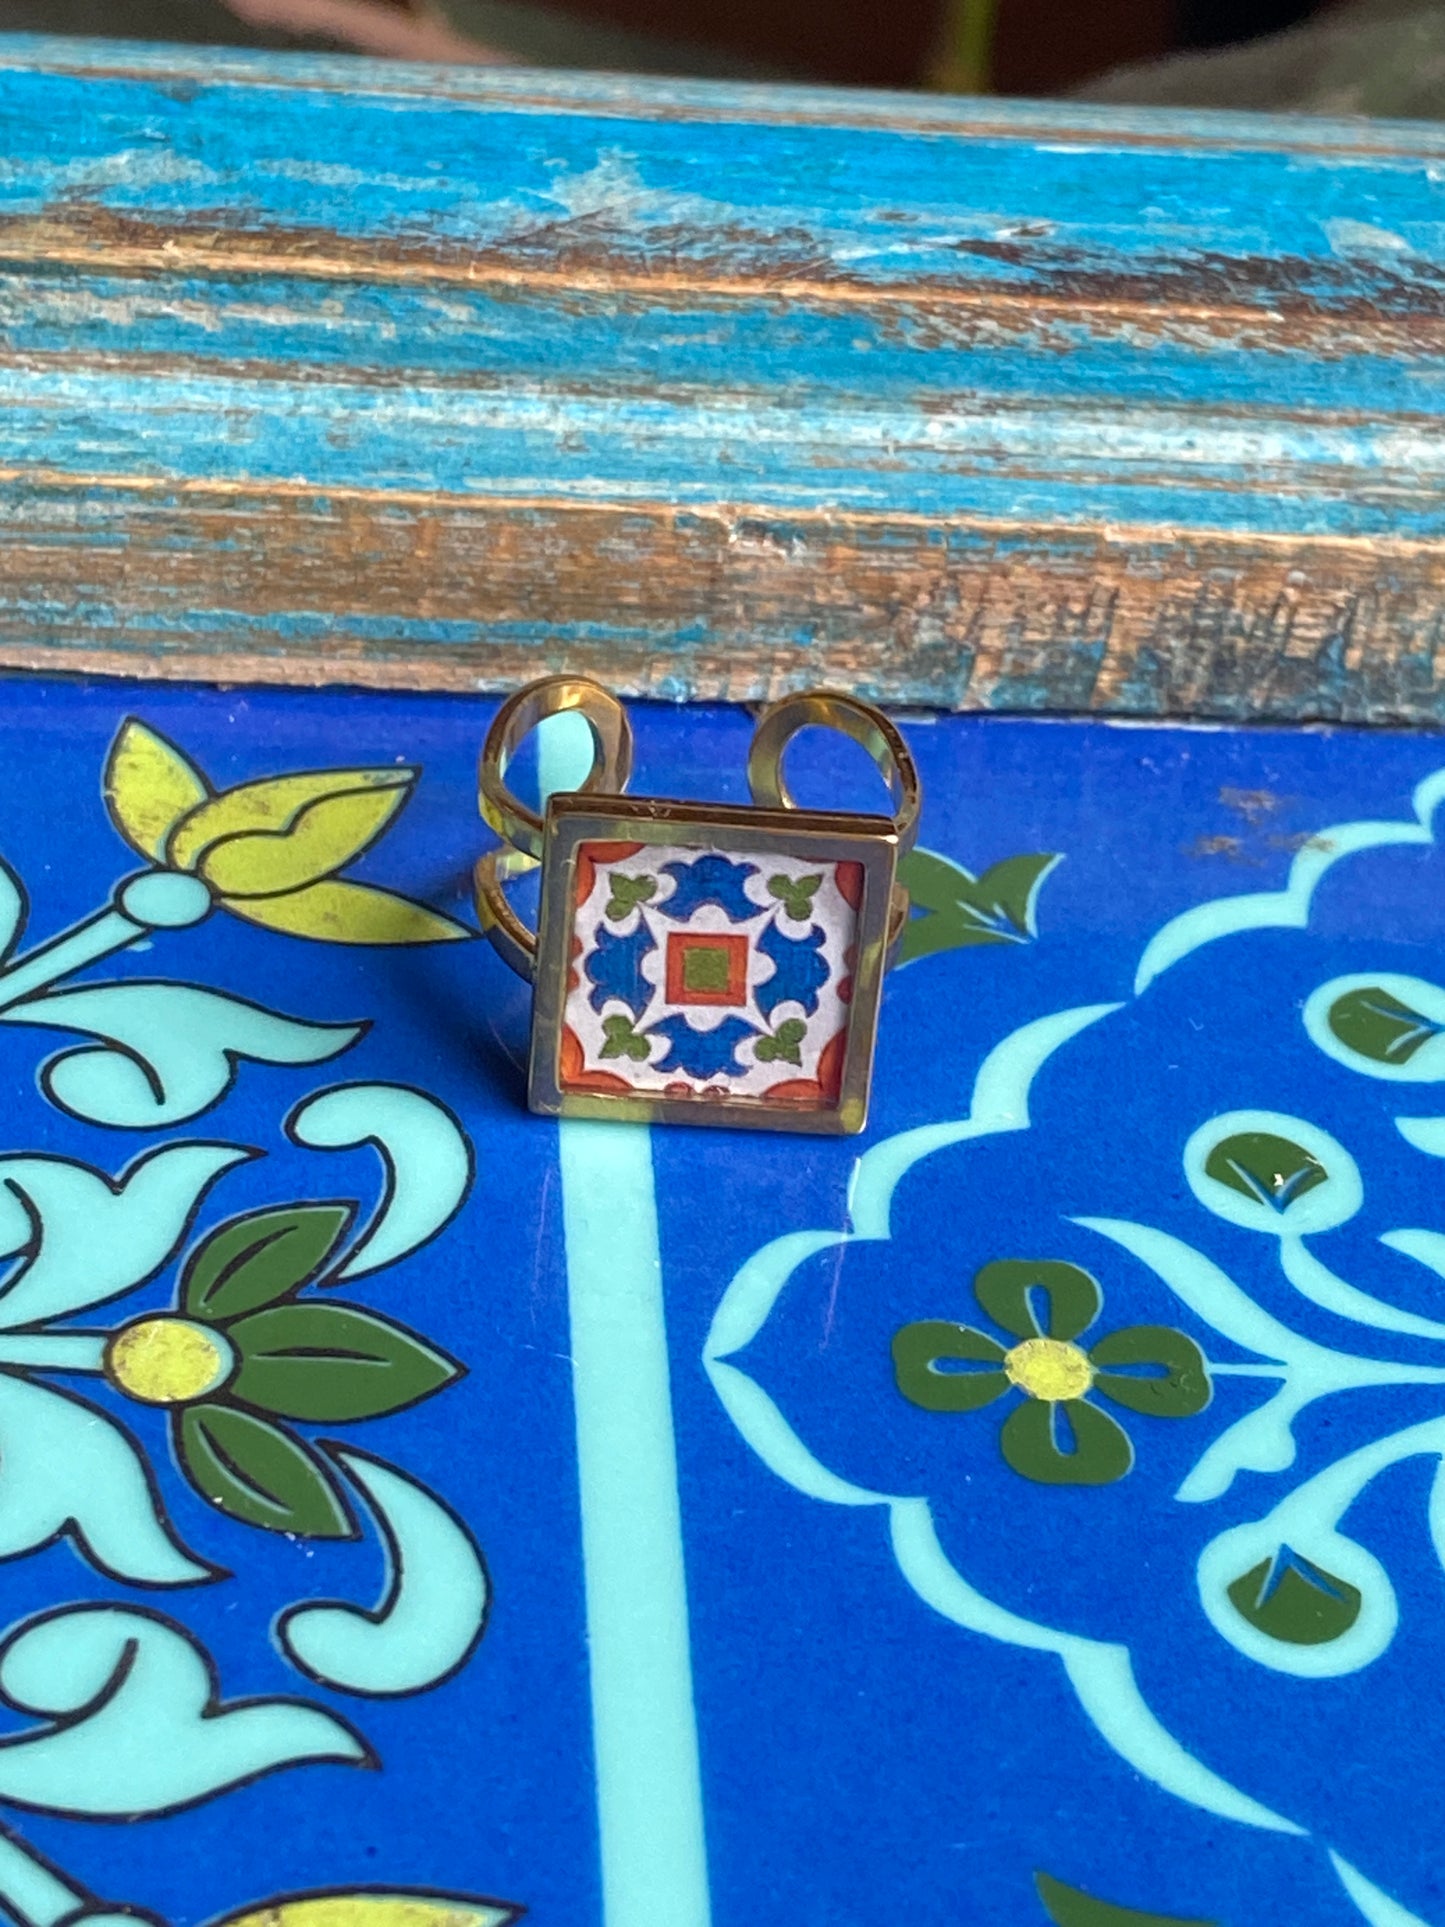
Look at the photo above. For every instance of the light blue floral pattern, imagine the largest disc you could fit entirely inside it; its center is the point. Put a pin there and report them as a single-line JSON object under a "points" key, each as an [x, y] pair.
{"points": [[1247, 1203]]}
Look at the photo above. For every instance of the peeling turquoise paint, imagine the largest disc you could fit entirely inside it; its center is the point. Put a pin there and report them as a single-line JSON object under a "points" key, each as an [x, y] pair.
{"points": [[444, 377]]}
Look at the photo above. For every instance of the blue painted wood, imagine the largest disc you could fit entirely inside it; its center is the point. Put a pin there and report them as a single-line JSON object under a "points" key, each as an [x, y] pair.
{"points": [[318, 368]]}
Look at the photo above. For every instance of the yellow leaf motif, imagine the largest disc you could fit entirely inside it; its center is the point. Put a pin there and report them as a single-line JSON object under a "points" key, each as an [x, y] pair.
{"points": [[268, 851], [338, 912], [372, 1909], [272, 807], [149, 787], [321, 839]]}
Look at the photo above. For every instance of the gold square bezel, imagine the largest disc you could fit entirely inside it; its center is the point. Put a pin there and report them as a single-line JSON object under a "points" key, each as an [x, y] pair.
{"points": [[830, 836]]}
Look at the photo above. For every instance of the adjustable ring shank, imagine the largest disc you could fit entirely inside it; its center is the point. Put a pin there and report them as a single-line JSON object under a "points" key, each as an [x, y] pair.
{"points": [[523, 828], [513, 942], [858, 720], [611, 769]]}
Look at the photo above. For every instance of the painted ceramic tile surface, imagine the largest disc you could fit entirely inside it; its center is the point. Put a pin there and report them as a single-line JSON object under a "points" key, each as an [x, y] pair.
{"points": [[413, 1512], [700, 972]]}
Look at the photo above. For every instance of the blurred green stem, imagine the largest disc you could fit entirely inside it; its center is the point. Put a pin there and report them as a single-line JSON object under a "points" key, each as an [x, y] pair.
{"points": [[965, 62]]}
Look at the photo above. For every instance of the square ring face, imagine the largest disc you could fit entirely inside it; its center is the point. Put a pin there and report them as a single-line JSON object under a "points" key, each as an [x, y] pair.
{"points": [[706, 964]]}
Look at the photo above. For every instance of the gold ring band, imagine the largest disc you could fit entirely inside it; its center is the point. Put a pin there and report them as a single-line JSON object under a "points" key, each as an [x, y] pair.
{"points": [[857, 720], [611, 769], [513, 942], [523, 828]]}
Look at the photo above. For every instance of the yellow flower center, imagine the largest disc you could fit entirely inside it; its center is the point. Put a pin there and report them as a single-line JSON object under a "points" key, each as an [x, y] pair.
{"points": [[166, 1361], [1049, 1368]]}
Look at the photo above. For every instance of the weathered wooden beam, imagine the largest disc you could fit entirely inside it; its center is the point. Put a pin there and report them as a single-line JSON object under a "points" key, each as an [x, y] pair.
{"points": [[328, 370]]}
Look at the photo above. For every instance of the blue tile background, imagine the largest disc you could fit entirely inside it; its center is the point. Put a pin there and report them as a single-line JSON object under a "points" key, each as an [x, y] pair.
{"points": [[863, 1759]]}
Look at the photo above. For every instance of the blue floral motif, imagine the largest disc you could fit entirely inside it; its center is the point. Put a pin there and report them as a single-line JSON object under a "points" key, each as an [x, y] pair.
{"points": [[800, 970], [703, 1053], [151, 1731], [1302, 1262], [710, 879], [615, 967]]}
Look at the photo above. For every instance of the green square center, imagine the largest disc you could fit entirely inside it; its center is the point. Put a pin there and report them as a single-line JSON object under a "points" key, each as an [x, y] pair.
{"points": [[705, 969]]}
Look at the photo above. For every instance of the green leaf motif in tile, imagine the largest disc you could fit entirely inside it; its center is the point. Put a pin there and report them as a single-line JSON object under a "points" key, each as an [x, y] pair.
{"points": [[262, 1257], [1265, 1168], [627, 894], [260, 1473], [796, 895], [1065, 1442], [1290, 1598], [1071, 1907], [623, 1039], [932, 1365], [1015, 1291], [1178, 1385], [785, 1044], [1379, 1026], [954, 909], [329, 1364]]}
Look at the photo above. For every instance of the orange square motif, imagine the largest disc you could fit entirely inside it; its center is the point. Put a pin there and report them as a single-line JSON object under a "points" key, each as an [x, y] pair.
{"points": [[706, 967]]}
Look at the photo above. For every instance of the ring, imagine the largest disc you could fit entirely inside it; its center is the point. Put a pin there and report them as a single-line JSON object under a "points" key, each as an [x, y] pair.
{"points": [[513, 942], [701, 963], [611, 767], [865, 725]]}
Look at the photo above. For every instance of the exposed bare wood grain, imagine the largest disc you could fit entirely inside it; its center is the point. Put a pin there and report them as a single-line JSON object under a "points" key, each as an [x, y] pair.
{"points": [[1116, 621]]}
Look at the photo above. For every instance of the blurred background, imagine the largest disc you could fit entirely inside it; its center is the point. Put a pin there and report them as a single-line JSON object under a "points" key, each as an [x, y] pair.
{"points": [[1354, 56]]}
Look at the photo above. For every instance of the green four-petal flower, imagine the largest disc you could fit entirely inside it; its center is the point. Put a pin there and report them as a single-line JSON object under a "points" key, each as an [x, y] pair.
{"points": [[1047, 1305]]}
